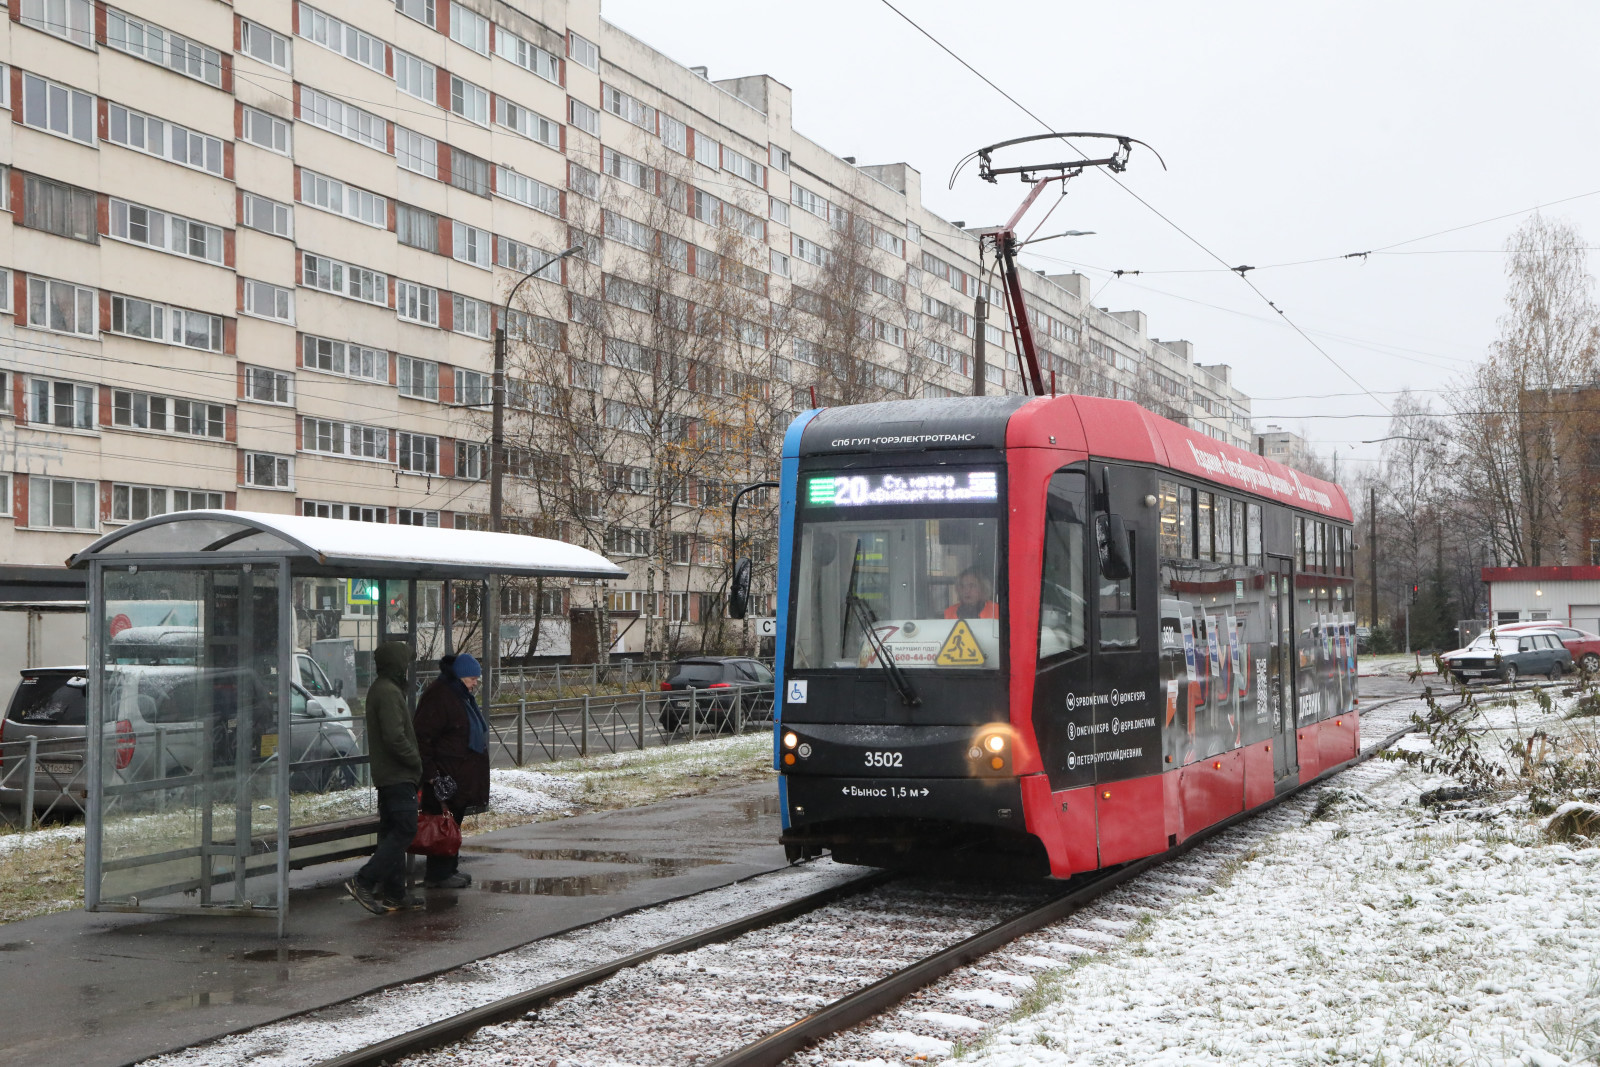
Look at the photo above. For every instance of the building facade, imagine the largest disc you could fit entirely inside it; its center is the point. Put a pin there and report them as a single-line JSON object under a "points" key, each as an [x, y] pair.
{"points": [[257, 252]]}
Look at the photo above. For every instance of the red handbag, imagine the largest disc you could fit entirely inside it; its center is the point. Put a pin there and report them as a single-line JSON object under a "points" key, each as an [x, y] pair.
{"points": [[437, 835]]}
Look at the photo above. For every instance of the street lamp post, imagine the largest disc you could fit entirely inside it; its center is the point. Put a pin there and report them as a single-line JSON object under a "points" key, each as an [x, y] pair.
{"points": [[497, 468]]}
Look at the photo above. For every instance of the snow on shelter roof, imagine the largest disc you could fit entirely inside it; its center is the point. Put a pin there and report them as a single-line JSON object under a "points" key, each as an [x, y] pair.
{"points": [[338, 546]]}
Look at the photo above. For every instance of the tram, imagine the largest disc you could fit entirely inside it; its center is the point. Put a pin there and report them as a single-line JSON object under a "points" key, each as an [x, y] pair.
{"points": [[1061, 630]]}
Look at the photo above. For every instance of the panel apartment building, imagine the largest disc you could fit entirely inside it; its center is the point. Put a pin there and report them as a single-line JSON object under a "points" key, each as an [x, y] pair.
{"points": [[256, 252]]}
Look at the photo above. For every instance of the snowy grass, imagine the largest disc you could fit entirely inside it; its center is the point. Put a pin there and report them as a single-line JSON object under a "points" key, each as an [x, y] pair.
{"points": [[42, 871]]}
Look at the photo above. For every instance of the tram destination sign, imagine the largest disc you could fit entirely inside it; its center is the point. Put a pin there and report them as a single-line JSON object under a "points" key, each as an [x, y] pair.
{"points": [[942, 485]]}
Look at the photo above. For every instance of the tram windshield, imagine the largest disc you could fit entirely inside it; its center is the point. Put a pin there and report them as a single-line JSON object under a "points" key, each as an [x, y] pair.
{"points": [[924, 586]]}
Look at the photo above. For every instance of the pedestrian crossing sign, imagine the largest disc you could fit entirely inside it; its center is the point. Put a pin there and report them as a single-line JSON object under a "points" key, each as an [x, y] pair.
{"points": [[960, 649]]}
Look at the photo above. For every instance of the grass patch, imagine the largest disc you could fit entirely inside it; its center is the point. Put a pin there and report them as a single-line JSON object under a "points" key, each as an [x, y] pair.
{"points": [[41, 877]]}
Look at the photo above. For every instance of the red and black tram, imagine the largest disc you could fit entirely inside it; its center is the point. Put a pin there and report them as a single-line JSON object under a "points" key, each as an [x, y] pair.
{"points": [[1061, 629]]}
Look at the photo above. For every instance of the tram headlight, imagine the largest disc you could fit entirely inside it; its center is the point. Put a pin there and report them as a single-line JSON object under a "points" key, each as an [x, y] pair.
{"points": [[994, 743], [790, 740]]}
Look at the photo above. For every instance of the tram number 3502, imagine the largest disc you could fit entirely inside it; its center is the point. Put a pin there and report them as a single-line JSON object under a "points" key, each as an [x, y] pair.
{"points": [[884, 759]]}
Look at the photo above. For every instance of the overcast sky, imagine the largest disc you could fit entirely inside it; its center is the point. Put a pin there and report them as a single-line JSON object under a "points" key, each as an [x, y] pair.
{"points": [[1290, 131]]}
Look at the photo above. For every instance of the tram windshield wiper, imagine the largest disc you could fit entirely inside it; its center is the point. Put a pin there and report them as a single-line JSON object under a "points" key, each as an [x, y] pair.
{"points": [[854, 605]]}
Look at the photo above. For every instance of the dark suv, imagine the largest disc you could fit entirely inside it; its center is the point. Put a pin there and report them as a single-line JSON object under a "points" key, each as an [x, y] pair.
{"points": [[720, 685]]}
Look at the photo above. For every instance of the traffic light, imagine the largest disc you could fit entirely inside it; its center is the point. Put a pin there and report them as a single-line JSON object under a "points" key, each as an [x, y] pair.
{"points": [[1415, 591]]}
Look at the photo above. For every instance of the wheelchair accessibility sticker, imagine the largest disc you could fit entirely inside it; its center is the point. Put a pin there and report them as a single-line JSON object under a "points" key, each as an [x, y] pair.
{"points": [[797, 692]]}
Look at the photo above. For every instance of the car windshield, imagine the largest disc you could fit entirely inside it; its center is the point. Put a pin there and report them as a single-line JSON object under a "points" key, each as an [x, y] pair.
{"points": [[311, 676], [1501, 643], [54, 699], [926, 587]]}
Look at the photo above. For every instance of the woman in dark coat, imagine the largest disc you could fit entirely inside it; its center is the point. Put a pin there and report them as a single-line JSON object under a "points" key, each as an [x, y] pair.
{"points": [[453, 736]]}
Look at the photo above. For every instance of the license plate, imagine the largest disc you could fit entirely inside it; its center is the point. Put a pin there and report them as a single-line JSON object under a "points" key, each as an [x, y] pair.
{"points": [[64, 769]]}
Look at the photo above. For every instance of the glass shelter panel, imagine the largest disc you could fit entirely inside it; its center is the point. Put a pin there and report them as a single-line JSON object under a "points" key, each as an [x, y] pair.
{"points": [[189, 724]]}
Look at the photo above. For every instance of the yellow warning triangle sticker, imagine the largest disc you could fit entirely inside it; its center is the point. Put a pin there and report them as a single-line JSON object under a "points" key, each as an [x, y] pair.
{"points": [[960, 649]]}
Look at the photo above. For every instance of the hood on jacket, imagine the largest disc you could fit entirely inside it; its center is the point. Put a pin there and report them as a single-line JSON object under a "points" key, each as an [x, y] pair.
{"points": [[392, 659]]}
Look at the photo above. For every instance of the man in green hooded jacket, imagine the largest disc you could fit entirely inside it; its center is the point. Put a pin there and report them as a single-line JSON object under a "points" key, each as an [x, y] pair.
{"points": [[380, 886]]}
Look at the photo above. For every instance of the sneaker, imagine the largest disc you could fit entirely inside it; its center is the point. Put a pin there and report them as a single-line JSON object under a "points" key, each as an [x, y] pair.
{"points": [[459, 880], [365, 896], [408, 902]]}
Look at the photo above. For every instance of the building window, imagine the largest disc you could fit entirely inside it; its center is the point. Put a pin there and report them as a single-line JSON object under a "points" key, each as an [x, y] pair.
{"points": [[584, 117], [473, 389], [530, 124], [266, 131], [164, 48], [469, 460], [780, 263], [267, 301], [337, 36], [350, 439], [470, 316], [165, 140], [133, 503], [57, 109], [416, 228], [469, 101], [69, 19], [417, 303], [523, 258], [809, 251], [64, 210], [778, 158], [416, 77], [527, 56], [421, 10], [165, 414], [258, 42], [416, 517], [263, 470], [345, 279], [150, 321], [170, 233], [778, 210], [743, 166], [318, 509], [61, 306], [674, 135], [627, 169], [469, 172], [418, 378], [59, 504], [268, 386], [583, 181], [268, 216], [528, 192], [583, 52], [331, 194], [469, 28], [419, 453], [470, 244], [345, 359], [627, 108], [625, 541], [344, 120], [67, 405]]}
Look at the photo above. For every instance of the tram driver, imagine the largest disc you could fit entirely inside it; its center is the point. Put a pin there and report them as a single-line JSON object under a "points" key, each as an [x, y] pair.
{"points": [[972, 598]]}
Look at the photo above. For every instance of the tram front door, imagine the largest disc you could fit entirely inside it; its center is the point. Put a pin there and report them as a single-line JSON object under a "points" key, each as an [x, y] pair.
{"points": [[1280, 600]]}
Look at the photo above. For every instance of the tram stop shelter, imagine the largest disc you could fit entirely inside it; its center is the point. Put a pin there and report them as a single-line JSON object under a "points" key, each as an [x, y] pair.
{"points": [[228, 652]]}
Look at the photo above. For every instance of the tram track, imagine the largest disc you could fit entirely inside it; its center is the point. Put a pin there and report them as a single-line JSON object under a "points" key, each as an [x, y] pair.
{"points": [[843, 906]]}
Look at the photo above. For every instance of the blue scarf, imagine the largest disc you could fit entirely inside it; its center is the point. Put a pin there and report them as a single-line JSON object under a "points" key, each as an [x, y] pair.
{"points": [[477, 725]]}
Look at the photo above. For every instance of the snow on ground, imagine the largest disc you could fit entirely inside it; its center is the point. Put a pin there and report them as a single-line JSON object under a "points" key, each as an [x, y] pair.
{"points": [[1397, 665]]}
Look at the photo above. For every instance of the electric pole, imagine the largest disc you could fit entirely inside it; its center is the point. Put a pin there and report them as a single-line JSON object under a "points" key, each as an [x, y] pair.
{"points": [[497, 472], [1372, 540], [980, 374]]}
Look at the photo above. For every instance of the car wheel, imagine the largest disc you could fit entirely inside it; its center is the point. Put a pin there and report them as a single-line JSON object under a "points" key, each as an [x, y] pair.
{"points": [[1555, 671], [1590, 662], [1461, 679], [1508, 673]]}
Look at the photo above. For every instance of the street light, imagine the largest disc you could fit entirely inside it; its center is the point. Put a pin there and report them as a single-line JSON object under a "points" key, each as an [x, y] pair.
{"points": [[1399, 437], [497, 467]]}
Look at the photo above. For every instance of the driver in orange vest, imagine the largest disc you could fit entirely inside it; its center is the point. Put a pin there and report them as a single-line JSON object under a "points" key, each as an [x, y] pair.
{"points": [[972, 598]]}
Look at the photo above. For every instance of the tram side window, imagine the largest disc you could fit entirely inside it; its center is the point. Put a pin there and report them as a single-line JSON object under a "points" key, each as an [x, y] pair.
{"points": [[1299, 525], [1063, 608], [1202, 518], [1171, 544], [1185, 522], [1119, 619], [1221, 518], [1254, 555]]}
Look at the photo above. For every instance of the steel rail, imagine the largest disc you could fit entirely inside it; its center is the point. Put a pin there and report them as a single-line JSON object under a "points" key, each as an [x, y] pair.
{"points": [[861, 1005], [455, 1027]]}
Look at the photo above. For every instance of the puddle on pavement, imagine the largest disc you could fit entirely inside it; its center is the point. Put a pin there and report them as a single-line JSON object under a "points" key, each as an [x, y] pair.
{"points": [[576, 885], [283, 955], [16, 946], [654, 866], [756, 807]]}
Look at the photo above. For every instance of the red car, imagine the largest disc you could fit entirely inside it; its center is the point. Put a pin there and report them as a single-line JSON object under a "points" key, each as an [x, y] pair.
{"points": [[1584, 646]]}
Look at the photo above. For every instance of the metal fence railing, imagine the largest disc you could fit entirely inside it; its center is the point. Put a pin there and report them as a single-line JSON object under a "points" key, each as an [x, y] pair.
{"points": [[557, 681], [527, 731], [29, 779]]}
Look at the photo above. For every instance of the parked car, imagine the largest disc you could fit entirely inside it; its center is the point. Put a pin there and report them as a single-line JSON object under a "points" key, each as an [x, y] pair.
{"points": [[1584, 646], [174, 645], [1509, 656], [748, 682], [158, 715]]}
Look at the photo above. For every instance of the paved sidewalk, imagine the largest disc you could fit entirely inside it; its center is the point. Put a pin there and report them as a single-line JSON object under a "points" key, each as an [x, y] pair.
{"points": [[84, 990]]}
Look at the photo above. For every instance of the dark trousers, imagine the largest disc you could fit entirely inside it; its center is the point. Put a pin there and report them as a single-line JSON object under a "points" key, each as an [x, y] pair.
{"points": [[397, 826], [441, 867]]}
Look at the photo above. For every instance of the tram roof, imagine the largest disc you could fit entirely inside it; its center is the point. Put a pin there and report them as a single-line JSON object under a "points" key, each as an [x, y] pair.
{"points": [[335, 546], [1097, 426]]}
